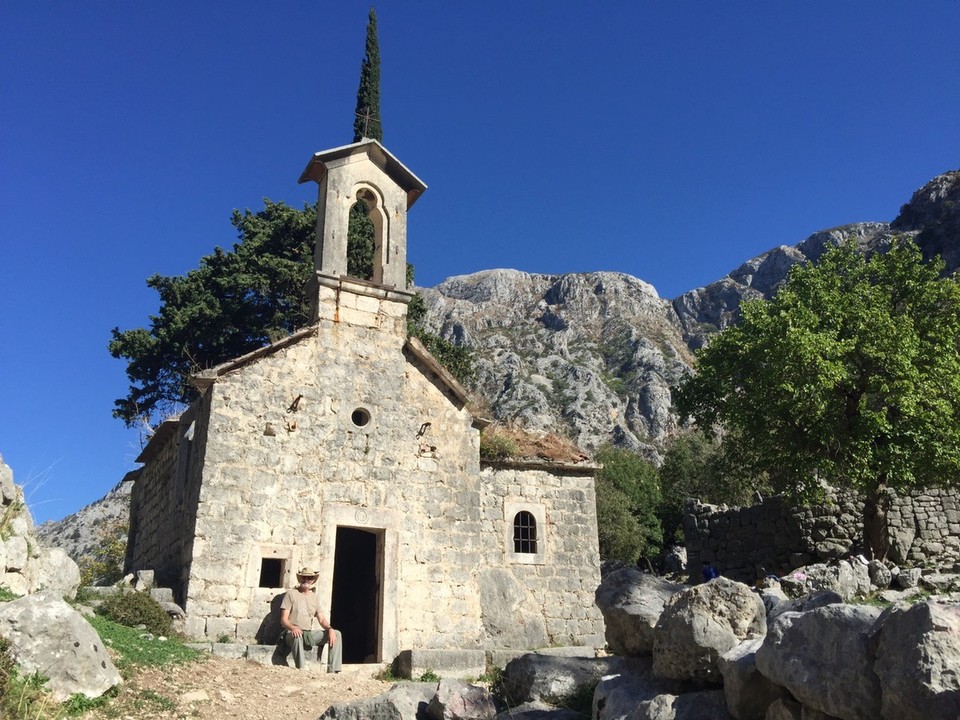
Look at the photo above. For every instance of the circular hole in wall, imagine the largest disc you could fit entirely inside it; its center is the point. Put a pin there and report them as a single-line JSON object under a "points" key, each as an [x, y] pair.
{"points": [[360, 417]]}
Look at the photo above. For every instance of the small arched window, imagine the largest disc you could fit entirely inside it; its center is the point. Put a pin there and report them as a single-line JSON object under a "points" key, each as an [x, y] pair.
{"points": [[525, 533]]}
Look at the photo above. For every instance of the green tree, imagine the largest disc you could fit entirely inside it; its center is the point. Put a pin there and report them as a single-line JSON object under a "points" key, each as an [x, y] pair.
{"points": [[694, 466], [105, 565], [361, 235], [458, 359], [366, 121], [628, 498], [236, 301], [850, 375]]}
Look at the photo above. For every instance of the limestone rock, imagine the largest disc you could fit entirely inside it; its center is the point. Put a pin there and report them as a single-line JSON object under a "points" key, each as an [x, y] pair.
{"points": [[702, 705], [401, 702], [940, 582], [701, 623], [592, 353], [909, 578], [823, 658], [631, 602], [459, 700], [539, 711], [747, 692], [8, 491], [784, 709], [52, 569], [552, 679], [847, 579], [880, 575], [820, 598], [617, 696], [49, 637], [917, 656]]}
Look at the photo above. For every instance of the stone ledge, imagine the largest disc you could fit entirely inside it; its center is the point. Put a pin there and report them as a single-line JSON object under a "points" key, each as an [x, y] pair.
{"points": [[466, 664]]}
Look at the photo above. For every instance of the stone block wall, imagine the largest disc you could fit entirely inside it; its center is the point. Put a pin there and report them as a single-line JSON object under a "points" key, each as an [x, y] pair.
{"points": [[923, 528], [163, 502]]}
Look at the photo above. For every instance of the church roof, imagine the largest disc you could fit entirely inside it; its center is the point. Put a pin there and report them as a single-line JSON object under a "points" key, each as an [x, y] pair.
{"points": [[383, 158]]}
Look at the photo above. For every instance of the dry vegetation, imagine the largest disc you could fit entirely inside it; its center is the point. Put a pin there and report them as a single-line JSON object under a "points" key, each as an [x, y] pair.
{"points": [[507, 441]]}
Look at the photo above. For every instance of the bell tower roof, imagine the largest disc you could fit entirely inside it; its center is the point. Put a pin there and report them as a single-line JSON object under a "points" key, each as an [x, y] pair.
{"points": [[323, 161]]}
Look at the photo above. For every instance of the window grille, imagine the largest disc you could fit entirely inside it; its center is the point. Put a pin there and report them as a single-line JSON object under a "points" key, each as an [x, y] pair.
{"points": [[524, 533]]}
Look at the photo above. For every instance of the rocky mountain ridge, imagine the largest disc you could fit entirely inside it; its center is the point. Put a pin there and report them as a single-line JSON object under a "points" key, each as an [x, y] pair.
{"points": [[592, 356]]}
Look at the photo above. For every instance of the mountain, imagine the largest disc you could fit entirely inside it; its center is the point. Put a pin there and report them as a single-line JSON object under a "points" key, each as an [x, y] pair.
{"points": [[592, 356]]}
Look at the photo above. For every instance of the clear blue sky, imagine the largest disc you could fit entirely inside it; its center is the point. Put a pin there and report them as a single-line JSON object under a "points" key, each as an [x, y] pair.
{"points": [[667, 140]]}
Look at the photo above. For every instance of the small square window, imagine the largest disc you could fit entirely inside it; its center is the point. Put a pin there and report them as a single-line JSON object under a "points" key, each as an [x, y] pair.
{"points": [[271, 573]]}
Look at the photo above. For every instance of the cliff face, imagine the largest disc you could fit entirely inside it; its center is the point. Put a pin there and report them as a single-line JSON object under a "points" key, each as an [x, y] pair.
{"points": [[593, 355], [590, 355]]}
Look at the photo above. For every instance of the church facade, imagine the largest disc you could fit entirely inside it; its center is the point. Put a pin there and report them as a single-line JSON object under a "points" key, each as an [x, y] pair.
{"points": [[347, 447]]}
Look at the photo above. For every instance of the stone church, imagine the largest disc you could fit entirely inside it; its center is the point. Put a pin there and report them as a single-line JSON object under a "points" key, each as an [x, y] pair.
{"points": [[346, 446]]}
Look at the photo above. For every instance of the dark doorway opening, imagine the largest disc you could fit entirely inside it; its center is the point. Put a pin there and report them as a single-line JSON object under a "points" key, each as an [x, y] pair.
{"points": [[355, 599]]}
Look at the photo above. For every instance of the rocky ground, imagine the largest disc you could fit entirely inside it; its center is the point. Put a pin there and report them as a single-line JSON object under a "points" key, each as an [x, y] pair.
{"points": [[215, 688]]}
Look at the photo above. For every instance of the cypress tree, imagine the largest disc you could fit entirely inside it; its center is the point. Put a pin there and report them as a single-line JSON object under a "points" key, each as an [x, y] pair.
{"points": [[366, 121]]}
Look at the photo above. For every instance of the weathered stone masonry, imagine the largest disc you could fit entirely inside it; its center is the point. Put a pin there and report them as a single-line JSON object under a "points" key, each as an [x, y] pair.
{"points": [[923, 527]]}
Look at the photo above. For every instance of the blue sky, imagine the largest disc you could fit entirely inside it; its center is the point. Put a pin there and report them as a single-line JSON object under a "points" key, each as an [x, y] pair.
{"points": [[670, 141]]}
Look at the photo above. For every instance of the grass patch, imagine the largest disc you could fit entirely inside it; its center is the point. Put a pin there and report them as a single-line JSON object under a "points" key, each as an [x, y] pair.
{"points": [[23, 697], [7, 596], [581, 700], [429, 676], [136, 648]]}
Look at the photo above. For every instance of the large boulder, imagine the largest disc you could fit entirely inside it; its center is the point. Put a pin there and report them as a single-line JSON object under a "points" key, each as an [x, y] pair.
{"points": [[702, 705], [631, 603], [917, 661], [748, 693], [554, 679], [52, 570], [823, 657], [617, 696], [459, 700], [820, 598], [848, 579], [700, 624], [404, 701], [49, 637]]}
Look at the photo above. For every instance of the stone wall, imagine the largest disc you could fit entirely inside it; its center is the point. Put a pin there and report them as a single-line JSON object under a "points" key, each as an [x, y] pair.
{"points": [[923, 528], [163, 501]]}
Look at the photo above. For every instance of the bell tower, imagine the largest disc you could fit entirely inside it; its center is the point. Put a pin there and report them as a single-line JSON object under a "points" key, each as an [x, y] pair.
{"points": [[363, 171]]}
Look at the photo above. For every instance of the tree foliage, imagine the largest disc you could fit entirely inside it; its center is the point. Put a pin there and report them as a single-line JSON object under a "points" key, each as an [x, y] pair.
{"points": [[850, 375], [366, 121], [628, 498], [458, 359], [104, 566], [361, 235], [234, 302]]}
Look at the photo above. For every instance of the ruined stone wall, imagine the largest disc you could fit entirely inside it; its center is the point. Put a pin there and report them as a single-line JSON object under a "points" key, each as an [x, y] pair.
{"points": [[280, 475], [162, 505], [923, 527]]}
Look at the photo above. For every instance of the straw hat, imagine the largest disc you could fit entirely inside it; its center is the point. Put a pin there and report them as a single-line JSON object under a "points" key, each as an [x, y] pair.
{"points": [[307, 573]]}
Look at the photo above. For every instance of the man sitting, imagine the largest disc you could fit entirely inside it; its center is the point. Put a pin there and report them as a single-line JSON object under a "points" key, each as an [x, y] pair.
{"points": [[297, 610]]}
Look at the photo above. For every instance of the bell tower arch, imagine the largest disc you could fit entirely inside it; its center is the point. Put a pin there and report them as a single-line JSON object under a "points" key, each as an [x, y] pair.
{"points": [[363, 171]]}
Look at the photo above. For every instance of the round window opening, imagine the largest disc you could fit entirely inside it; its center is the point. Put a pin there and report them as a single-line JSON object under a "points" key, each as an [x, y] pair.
{"points": [[360, 417]]}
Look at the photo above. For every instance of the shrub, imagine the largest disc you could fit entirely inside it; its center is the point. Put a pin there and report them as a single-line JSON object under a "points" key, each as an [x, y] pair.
{"points": [[134, 609]]}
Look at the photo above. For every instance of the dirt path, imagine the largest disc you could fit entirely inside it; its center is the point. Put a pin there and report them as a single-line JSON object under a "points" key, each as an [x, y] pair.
{"points": [[215, 688]]}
